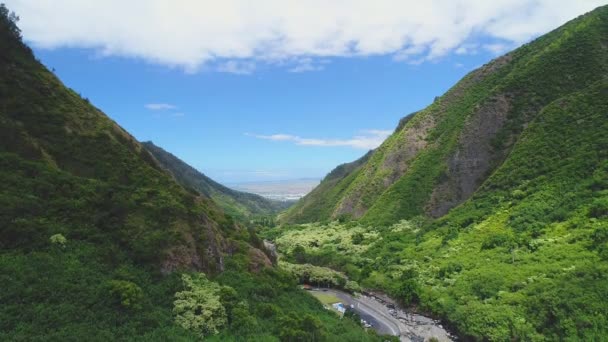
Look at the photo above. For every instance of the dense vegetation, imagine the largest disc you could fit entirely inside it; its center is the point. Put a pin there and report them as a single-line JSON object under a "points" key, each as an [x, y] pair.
{"points": [[99, 243], [240, 205], [524, 256], [439, 156]]}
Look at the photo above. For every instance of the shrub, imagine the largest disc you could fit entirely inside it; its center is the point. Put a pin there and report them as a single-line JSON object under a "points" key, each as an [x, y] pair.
{"points": [[58, 240]]}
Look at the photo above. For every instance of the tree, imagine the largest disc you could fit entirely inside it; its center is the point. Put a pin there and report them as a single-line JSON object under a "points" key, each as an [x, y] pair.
{"points": [[128, 293], [306, 328], [229, 299], [198, 308], [408, 288], [299, 254]]}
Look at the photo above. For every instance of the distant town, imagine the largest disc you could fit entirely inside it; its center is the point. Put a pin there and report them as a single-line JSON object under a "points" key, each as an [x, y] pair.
{"points": [[284, 190]]}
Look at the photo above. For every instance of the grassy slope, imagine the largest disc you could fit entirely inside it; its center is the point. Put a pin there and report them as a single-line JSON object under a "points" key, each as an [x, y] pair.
{"points": [[240, 205], [561, 62], [68, 169]]}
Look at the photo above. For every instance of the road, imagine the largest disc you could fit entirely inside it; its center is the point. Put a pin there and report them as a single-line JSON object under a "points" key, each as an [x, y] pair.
{"points": [[383, 325], [409, 327]]}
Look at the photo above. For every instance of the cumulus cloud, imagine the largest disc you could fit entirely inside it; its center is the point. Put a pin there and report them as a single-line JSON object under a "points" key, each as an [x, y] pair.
{"points": [[367, 140], [234, 35], [159, 106]]}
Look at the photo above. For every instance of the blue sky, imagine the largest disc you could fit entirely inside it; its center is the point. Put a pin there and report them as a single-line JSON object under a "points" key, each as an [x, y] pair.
{"points": [[215, 111], [245, 107]]}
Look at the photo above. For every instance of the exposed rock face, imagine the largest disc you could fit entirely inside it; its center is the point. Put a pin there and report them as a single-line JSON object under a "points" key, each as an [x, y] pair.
{"points": [[272, 250], [408, 143], [204, 253], [468, 166], [410, 138], [258, 260], [412, 141]]}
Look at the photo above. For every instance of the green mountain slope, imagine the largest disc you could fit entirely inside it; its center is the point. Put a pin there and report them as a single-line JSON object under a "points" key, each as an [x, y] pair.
{"points": [[439, 156], [99, 243], [238, 204], [525, 258], [505, 198]]}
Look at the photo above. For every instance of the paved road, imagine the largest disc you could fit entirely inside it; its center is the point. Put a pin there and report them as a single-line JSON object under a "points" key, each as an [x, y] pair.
{"points": [[409, 327], [382, 324]]}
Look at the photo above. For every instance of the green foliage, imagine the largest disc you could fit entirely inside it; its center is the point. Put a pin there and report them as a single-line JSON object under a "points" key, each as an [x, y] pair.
{"points": [[128, 293], [307, 328], [357, 238], [599, 208], [198, 307], [59, 240], [319, 276]]}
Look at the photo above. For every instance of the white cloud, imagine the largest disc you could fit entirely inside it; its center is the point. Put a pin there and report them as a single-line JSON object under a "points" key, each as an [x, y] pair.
{"points": [[236, 34], [159, 106], [496, 48], [467, 49], [367, 140], [306, 64], [237, 67]]}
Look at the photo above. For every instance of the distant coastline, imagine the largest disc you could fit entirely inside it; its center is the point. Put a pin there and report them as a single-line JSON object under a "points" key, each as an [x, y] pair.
{"points": [[281, 190]]}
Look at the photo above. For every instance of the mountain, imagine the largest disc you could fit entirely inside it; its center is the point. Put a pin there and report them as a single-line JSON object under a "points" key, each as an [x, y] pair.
{"points": [[440, 156], [318, 204], [238, 204], [99, 243], [489, 208]]}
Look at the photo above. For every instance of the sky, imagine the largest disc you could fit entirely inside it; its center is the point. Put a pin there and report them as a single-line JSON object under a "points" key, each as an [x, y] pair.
{"points": [[274, 90]]}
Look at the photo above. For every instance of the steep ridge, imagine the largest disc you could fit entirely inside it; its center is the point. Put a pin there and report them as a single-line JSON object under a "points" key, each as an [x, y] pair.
{"points": [[99, 243], [238, 204], [439, 156]]}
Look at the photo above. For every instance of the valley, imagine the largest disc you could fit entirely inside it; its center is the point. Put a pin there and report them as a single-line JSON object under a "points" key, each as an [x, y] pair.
{"points": [[481, 217]]}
